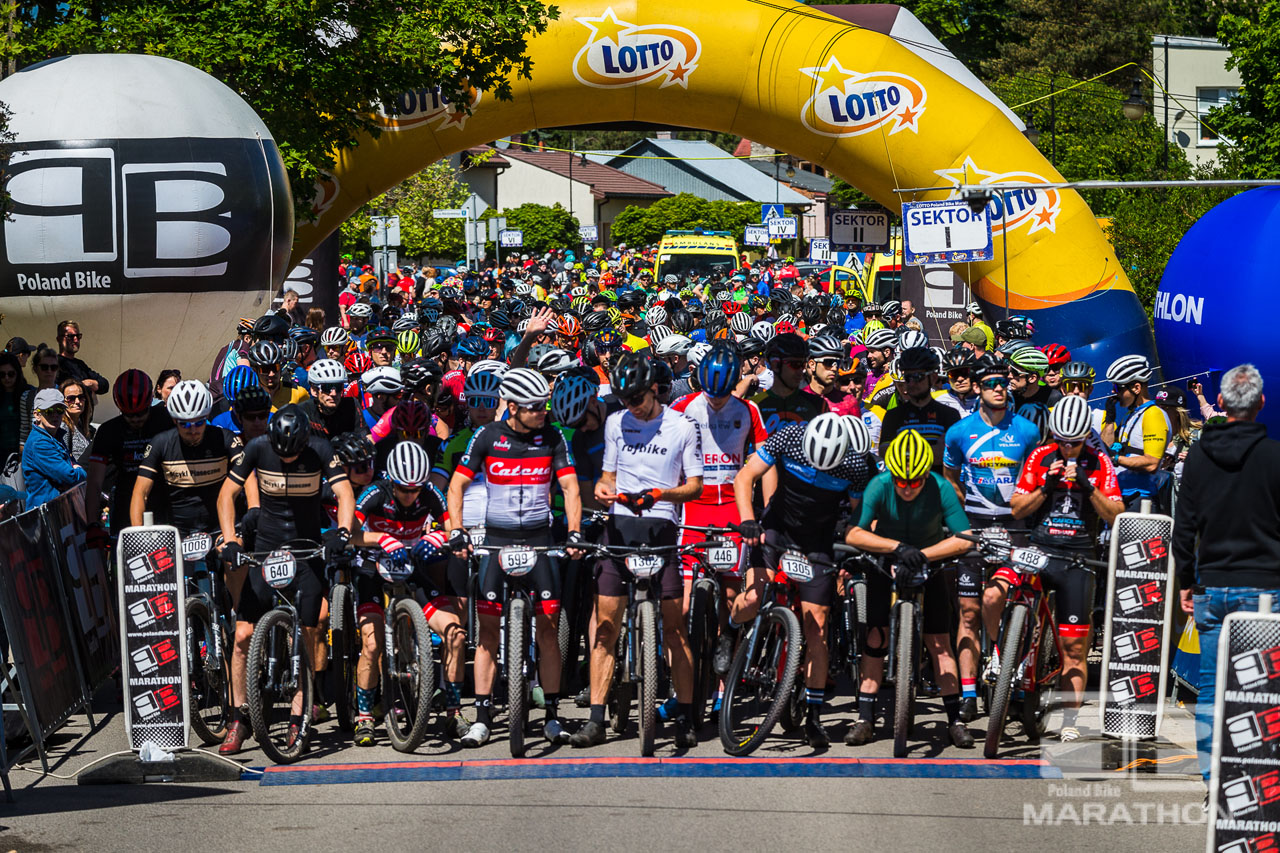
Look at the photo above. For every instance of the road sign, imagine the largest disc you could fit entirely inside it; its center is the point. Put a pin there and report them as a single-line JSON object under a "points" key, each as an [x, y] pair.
{"points": [[782, 226], [474, 206], [860, 229], [756, 235], [496, 226], [945, 232], [385, 231], [384, 261], [820, 250], [588, 233], [511, 239], [449, 213], [770, 211]]}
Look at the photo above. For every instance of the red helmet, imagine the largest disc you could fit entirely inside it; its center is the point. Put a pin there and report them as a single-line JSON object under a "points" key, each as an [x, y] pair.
{"points": [[358, 362], [1057, 354], [132, 392], [730, 307], [491, 334], [411, 417]]}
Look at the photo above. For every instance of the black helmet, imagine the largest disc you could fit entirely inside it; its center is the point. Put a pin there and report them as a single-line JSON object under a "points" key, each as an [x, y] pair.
{"points": [[595, 321], [433, 344], [289, 430], [1014, 330], [264, 353], [749, 347], [631, 299], [917, 360], [812, 312], [500, 319], [681, 320], [271, 327], [353, 448], [787, 346], [988, 365], [419, 372], [304, 335], [663, 377], [251, 398], [632, 375], [959, 358]]}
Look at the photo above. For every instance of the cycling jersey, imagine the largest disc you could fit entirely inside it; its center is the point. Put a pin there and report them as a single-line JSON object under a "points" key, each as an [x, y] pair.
{"points": [[653, 454], [963, 405], [797, 407], [290, 492], [932, 420], [187, 479], [379, 512], [808, 502], [344, 418], [286, 394], [1067, 518], [122, 450], [1146, 431], [476, 497], [518, 469], [989, 459], [919, 522], [728, 437], [843, 403]]}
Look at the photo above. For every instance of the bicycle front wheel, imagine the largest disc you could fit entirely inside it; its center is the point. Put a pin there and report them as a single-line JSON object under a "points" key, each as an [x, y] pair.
{"points": [[1010, 655], [760, 681], [647, 625], [343, 646], [207, 669], [408, 676], [904, 684], [271, 687], [517, 678], [702, 644]]}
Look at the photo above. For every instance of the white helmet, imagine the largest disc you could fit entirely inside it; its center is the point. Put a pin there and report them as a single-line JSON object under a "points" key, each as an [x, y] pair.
{"points": [[522, 325], [525, 387], [571, 397], [326, 371], [881, 339], [697, 352], [485, 383], [656, 316], [658, 333], [740, 323], [912, 338], [1129, 368], [1070, 419], [826, 441], [673, 344], [189, 400], [408, 464], [382, 380], [361, 309], [554, 360], [334, 336], [763, 330], [859, 435]]}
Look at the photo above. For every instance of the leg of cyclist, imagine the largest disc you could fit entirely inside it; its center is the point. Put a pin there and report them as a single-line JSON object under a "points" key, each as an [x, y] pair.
{"points": [[369, 616], [993, 599], [445, 580], [1074, 606], [814, 624], [879, 595], [969, 576], [610, 610], [485, 666]]}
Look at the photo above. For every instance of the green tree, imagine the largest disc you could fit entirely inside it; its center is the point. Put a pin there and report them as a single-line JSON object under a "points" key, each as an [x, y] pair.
{"points": [[314, 70], [1250, 120], [421, 234], [6, 151], [544, 228], [686, 211]]}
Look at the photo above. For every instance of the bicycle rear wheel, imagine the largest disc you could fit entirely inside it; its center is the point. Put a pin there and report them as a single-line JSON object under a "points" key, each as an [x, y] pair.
{"points": [[647, 626], [702, 644], [408, 676], [343, 646], [1035, 702], [904, 685], [207, 669], [1010, 656], [517, 653], [760, 681], [271, 687]]}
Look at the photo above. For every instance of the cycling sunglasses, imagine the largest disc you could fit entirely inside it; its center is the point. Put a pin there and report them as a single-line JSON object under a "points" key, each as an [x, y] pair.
{"points": [[191, 424], [482, 402], [793, 363], [914, 377], [362, 468], [335, 388], [994, 382], [829, 363], [913, 483], [1072, 385]]}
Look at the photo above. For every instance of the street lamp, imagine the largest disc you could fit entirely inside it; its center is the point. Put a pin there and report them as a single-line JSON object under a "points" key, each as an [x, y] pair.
{"points": [[1135, 106], [1032, 133]]}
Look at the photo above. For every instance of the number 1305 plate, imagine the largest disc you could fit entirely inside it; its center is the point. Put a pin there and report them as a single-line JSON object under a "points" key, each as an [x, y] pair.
{"points": [[796, 566]]}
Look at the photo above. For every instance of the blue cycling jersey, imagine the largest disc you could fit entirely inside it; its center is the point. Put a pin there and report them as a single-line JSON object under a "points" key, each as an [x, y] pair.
{"points": [[989, 459]]}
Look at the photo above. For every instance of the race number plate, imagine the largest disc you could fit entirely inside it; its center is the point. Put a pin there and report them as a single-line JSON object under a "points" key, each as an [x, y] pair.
{"points": [[644, 565], [477, 535], [517, 560], [195, 546], [1029, 560], [279, 569], [393, 572], [723, 557], [796, 566]]}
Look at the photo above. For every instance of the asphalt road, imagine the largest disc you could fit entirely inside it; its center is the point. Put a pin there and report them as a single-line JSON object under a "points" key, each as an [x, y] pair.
{"points": [[786, 794]]}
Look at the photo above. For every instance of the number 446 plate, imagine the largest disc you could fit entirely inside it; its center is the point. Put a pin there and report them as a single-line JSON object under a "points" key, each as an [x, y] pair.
{"points": [[723, 557]]}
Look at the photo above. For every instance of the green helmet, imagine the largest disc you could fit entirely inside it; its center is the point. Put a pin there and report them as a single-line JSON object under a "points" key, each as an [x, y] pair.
{"points": [[1030, 359]]}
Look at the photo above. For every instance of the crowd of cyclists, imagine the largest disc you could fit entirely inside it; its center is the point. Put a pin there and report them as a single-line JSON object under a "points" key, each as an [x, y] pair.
{"points": [[564, 404]]}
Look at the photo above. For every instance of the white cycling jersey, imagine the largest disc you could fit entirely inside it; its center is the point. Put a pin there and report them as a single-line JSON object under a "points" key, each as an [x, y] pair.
{"points": [[727, 437], [655, 454]]}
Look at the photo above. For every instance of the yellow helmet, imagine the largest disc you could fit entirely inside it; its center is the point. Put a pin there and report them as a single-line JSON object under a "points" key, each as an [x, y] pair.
{"points": [[909, 456]]}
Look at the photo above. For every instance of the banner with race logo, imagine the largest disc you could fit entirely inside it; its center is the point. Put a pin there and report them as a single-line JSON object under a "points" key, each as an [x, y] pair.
{"points": [[1244, 783], [152, 628], [315, 280], [1136, 638]]}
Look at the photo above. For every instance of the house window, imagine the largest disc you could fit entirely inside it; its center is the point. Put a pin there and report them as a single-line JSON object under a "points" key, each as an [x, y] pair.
{"points": [[1206, 100]]}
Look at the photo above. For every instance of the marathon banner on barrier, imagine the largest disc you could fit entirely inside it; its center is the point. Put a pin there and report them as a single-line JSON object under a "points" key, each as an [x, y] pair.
{"points": [[153, 626], [1136, 639], [1244, 783]]}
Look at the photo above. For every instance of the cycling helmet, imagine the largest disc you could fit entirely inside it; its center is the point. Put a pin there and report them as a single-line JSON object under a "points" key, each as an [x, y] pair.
{"points": [[408, 342], [673, 344], [974, 309], [408, 464], [486, 385], [1071, 419], [490, 365], [354, 449], [433, 344], [382, 380], [836, 317], [271, 327], [657, 316], [1128, 369], [671, 279], [265, 354], [251, 398], [289, 430], [787, 346], [871, 308], [357, 362], [916, 360], [880, 339], [988, 365], [697, 352], [289, 350], [189, 400], [958, 359], [326, 371], [909, 456], [663, 378], [740, 323], [1079, 371], [554, 361], [499, 319], [1030, 360], [419, 373], [595, 321], [681, 320], [607, 339], [1008, 348], [304, 335], [859, 435], [762, 331], [1027, 323], [719, 369], [632, 375], [826, 441], [536, 352], [1012, 329], [631, 299], [826, 346], [1057, 354], [244, 326], [817, 329], [571, 397], [657, 334], [912, 338], [380, 336], [525, 387], [750, 347], [570, 327], [411, 417], [472, 346], [891, 309], [361, 311], [335, 336], [132, 391]]}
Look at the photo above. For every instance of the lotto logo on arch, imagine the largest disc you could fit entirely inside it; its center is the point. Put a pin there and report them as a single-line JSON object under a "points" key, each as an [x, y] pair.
{"points": [[1037, 209], [849, 103], [418, 107], [620, 53]]}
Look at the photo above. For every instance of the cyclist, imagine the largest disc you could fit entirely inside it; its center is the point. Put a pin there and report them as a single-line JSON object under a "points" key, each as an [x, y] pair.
{"points": [[917, 409], [815, 465], [880, 344], [291, 466], [826, 354], [1138, 445], [520, 457], [1077, 381], [380, 344], [267, 361], [983, 454], [905, 513], [336, 343], [785, 402], [1068, 491], [481, 389], [330, 412], [383, 388], [249, 413], [962, 394], [648, 449], [1058, 356]]}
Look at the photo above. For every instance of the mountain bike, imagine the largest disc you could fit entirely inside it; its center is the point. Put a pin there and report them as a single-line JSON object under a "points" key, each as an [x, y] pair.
{"points": [[408, 676], [344, 639], [722, 555], [209, 633]]}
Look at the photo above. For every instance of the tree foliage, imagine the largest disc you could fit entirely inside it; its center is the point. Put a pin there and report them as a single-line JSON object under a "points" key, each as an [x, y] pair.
{"points": [[645, 225], [436, 186], [544, 228], [314, 70], [1252, 119]]}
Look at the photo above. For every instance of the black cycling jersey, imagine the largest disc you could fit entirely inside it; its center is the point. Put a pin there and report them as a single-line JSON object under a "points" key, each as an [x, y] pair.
{"points": [[379, 511], [808, 502], [187, 479], [122, 450], [518, 469], [345, 418], [290, 492], [930, 420]]}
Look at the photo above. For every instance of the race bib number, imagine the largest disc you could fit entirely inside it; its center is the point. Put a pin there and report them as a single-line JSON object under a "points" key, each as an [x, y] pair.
{"points": [[724, 557], [796, 566], [644, 565], [391, 572], [195, 546], [279, 569], [517, 560], [1029, 560]]}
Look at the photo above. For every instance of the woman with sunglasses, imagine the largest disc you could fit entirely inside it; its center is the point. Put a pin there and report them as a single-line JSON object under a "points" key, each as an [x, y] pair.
{"points": [[79, 414], [12, 387], [44, 367], [47, 466]]}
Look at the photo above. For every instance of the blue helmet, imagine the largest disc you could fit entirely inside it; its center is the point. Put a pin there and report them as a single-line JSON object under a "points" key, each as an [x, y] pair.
{"points": [[239, 377], [472, 346], [719, 369]]}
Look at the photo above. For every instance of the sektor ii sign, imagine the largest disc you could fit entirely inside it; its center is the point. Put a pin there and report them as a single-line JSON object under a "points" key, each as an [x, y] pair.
{"points": [[849, 103], [619, 53]]}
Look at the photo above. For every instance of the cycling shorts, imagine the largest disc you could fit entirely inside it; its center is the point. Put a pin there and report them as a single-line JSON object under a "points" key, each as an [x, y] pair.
{"points": [[307, 591], [709, 515], [972, 569], [822, 589], [439, 583], [543, 583], [936, 618], [613, 577], [1073, 594]]}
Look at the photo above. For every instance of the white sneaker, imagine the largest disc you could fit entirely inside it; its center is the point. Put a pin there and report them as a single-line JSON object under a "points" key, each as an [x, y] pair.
{"points": [[1068, 734], [477, 735], [555, 732]]}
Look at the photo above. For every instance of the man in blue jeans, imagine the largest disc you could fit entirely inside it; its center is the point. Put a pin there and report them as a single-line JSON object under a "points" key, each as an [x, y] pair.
{"points": [[1226, 536]]}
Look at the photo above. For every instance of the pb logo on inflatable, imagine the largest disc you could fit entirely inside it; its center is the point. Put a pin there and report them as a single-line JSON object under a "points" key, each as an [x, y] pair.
{"points": [[1011, 210], [618, 53], [849, 103], [424, 106]]}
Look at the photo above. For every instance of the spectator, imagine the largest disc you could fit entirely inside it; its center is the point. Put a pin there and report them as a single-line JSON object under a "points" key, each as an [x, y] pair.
{"points": [[289, 308], [20, 348], [315, 319], [47, 467], [78, 419], [164, 384], [12, 386], [70, 367], [44, 367], [1226, 536], [973, 339], [956, 330], [909, 318]]}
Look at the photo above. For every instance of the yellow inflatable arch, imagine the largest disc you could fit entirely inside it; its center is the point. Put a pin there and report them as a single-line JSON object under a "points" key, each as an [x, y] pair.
{"points": [[874, 99]]}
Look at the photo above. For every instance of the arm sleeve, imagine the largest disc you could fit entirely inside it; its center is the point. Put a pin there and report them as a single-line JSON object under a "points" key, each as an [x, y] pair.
{"points": [[103, 384], [952, 456], [244, 465], [770, 449], [149, 467], [1155, 431], [612, 438], [758, 433], [1029, 480], [691, 455], [436, 502], [473, 456], [562, 456], [952, 512], [333, 470]]}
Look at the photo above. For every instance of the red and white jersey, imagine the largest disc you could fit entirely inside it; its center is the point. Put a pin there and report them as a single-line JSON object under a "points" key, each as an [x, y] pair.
{"points": [[728, 437]]}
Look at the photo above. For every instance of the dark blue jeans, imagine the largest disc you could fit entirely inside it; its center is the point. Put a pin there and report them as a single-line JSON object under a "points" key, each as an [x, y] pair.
{"points": [[1211, 608]]}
